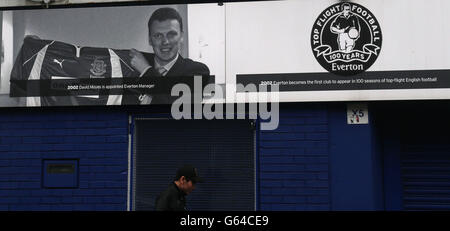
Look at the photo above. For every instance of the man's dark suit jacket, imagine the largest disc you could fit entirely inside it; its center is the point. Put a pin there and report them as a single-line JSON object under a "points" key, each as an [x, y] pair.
{"points": [[183, 67]]}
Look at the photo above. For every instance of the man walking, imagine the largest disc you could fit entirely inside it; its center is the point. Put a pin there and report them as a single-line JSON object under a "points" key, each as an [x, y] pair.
{"points": [[174, 197]]}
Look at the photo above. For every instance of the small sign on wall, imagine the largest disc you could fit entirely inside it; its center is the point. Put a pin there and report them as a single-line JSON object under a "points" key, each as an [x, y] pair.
{"points": [[357, 113]]}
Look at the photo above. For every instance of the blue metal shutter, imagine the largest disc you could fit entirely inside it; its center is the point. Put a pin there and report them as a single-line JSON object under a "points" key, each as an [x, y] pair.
{"points": [[425, 169], [222, 150]]}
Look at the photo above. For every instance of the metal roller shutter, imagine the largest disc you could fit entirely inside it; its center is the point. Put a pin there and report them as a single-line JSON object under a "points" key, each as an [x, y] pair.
{"points": [[222, 150], [425, 170]]}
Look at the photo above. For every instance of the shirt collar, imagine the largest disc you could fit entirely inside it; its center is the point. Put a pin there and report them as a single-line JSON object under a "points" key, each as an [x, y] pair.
{"points": [[167, 66]]}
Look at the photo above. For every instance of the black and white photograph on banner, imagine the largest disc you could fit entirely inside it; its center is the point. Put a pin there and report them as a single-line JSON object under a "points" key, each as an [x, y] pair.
{"points": [[127, 55]]}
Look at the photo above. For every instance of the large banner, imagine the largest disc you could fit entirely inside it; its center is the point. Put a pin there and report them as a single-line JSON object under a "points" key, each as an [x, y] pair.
{"points": [[121, 55], [302, 50], [321, 50]]}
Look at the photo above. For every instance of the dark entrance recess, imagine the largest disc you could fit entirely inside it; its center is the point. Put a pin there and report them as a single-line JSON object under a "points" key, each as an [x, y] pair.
{"points": [[416, 146], [222, 150]]}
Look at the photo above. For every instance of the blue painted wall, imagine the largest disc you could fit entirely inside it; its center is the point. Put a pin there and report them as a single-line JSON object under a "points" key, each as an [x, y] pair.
{"points": [[98, 139], [294, 161], [355, 162], [313, 161]]}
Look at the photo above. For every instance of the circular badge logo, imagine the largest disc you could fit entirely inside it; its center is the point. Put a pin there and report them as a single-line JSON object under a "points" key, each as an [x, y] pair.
{"points": [[346, 39]]}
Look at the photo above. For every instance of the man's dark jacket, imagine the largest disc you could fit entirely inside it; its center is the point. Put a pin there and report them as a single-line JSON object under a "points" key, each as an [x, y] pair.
{"points": [[183, 67], [172, 199]]}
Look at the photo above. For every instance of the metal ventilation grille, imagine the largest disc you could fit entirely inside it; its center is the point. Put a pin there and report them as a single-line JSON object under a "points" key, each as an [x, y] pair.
{"points": [[426, 175]]}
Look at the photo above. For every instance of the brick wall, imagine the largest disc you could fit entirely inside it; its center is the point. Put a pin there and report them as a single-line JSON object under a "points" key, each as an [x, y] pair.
{"points": [[97, 139], [294, 164], [293, 160]]}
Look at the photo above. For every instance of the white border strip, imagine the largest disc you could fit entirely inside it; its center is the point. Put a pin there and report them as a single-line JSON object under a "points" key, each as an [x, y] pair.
{"points": [[346, 95]]}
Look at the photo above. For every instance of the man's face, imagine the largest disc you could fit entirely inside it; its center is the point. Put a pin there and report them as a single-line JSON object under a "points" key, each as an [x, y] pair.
{"points": [[346, 10], [186, 186], [166, 39]]}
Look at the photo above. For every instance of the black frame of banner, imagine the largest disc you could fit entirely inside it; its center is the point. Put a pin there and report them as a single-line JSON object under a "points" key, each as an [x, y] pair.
{"points": [[126, 3]]}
